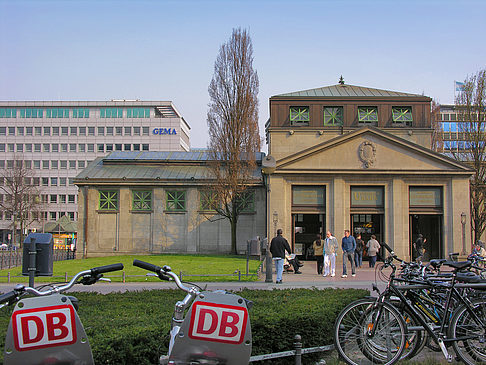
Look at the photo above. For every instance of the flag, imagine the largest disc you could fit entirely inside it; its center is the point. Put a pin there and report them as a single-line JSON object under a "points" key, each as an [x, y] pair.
{"points": [[459, 86]]}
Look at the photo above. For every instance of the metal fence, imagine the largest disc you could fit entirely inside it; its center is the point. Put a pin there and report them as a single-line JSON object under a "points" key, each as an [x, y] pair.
{"points": [[13, 258]]}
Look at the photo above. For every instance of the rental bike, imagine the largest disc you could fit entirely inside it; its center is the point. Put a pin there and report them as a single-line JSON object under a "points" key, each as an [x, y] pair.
{"points": [[208, 327], [45, 328]]}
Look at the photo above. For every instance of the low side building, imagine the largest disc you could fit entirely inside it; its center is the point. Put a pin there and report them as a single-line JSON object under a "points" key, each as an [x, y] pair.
{"points": [[156, 202]]}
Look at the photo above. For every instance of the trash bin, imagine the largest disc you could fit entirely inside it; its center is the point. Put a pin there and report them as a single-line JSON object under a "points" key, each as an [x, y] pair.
{"points": [[44, 257]]}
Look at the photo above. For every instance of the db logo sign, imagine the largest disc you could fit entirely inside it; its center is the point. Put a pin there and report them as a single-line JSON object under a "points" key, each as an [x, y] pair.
{"points": [[218, 322], [44, 327]]}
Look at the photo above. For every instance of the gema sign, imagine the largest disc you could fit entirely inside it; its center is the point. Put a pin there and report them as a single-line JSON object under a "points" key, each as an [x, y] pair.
{"points": [[164, 131]]}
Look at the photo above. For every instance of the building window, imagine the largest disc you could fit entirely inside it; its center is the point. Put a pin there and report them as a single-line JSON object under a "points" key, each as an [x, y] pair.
{"points": [[101, 147], [62, 198], [63, 164], [136, 131], [208, 201], [47, 131], [70, 215], [402, 115], [71, 198], [53, 199], [2, 147], [64, 131], [127, 147], [11, 147], [45, 181], [72, 164], [299, 115], [20, 131], [28, 147], [101, 131], [55, 147], [54, 164], [90, 147], [31, 113], [28, 164], [3, 131], [176, 201], [138, 113], [80, 113], [37, 147], [57, 113], [82, 131], [142, 200], [145, 131], [246, 201], [136, 147], [91, 131], [8, 113], [28, 131], [145, 147], [46, 147], [62, 181], [128, 131], [37, 164], [118, 147], [109, 147], [11, 131], [118, 131], [45, 164], [53, 181], [20, 147], [368, 114], [108, 200], [64, 147], [81, 164], [52, 216], [109, 131], [333, 115], [81, 147], [111, 113], [38, 131], [72, 147], [73, 131]]}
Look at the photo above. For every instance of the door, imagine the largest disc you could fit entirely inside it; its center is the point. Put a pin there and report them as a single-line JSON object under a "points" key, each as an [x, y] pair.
{"points": [[305, 228], [430, 226]]}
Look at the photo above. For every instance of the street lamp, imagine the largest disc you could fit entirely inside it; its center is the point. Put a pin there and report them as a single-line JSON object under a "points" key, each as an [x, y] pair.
{"points": [[268, 168], [463, 223]]}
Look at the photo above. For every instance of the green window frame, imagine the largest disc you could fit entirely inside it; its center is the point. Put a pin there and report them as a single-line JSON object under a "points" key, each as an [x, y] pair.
{"points": [[138, 113], [367, 114], [8, 113], [31, 113], [80, 113], [333, 115], [208, 201], [175, 200], [111, 113], [246, 201], [142, 200], [402, 115], [108, 200], [299, 115]]}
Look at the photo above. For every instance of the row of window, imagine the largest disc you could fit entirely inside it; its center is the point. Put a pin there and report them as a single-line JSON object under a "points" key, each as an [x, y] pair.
{"points": [[74, 112], [44, 164], [72, 147], [333, 115], [175, 201], [42, 216], [452, 117], [75, 131], [461, 127], [42, 181]]}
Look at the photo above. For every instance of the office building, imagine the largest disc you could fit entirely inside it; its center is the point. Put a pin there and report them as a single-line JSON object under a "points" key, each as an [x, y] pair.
{"points": [[58, 139]]}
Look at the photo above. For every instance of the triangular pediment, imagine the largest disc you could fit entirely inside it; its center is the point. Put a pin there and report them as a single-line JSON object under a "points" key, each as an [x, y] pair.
{"points": [[370, 150]]}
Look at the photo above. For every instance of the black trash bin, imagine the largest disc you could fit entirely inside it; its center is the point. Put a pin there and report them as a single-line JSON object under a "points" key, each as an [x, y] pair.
{"points": [[45, 254]]}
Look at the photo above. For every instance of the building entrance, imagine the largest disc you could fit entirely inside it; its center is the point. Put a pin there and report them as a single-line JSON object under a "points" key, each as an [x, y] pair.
{"points": [[366, 225], [305, 228], [430, 226]]}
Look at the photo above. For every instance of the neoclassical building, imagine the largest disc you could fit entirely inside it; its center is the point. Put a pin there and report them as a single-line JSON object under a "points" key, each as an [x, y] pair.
{"points": [[349, 157]]}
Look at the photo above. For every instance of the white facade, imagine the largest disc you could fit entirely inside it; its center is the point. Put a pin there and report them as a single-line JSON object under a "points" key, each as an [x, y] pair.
{"points": [[59, 138]]}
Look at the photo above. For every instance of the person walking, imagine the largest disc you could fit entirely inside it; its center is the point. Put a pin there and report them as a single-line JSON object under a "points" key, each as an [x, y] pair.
{"points": [[348, 244], [318, 246], [278, 245], [419, 247], [358, 253], [373, 248], [330, 249]]}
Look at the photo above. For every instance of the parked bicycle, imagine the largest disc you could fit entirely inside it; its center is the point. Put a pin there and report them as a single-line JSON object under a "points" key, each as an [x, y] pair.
{"points": [[411, 309], [215, 330], [45, 328]]}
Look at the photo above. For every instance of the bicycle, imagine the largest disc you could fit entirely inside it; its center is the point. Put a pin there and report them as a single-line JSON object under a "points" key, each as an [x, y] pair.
{"points": [[359, 328], [214, 330], [45, 328]]}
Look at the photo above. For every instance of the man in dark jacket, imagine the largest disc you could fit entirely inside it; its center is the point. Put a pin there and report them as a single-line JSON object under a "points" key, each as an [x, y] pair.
{"points": [[348, 245], [277, 248]]}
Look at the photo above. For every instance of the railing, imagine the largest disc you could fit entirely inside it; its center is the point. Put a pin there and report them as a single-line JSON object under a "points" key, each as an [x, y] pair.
{"points": [[13, 258]]}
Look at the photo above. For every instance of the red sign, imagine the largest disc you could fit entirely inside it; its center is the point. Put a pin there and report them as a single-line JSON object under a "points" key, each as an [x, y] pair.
{"points": [[218, 322], [44, 327]]}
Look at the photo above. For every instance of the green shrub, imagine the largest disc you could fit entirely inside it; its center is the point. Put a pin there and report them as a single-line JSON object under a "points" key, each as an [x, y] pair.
{"points": [[132, 327]]}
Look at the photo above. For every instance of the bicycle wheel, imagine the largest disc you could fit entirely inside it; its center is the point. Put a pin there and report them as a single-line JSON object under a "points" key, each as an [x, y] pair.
{"points": [[470, 332], [351, 337]]}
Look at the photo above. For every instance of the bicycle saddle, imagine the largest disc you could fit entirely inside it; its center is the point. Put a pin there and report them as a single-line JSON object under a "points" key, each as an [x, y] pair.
{"points": [[458, 265]]}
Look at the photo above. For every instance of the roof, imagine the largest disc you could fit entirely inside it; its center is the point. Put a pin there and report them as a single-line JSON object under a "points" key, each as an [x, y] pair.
{"points": [[348, 91], [63, 224], [122, 167]]}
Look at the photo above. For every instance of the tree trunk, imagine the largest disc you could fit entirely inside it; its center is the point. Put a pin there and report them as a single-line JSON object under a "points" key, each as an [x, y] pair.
{"points": [[234, 222]]}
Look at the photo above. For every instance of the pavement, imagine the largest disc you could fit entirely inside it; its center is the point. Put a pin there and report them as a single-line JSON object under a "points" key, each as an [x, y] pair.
{"points": [[309, 278]]}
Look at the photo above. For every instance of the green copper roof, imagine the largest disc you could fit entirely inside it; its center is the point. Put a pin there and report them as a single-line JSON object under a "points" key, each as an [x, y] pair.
{"points": [[347, 91]]}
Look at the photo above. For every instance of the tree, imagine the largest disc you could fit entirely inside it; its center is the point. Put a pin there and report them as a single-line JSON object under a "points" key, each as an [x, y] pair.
{"points": [[437, 142], [232, 119], [470, 109], [20, 195]]}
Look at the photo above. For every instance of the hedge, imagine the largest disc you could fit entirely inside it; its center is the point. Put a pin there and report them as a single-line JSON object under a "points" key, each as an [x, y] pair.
{"points": [[132, 327]]}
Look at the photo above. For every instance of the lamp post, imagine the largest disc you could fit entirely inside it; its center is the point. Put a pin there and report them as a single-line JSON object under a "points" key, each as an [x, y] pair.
{"points": [[463, 223], [268, 168]]}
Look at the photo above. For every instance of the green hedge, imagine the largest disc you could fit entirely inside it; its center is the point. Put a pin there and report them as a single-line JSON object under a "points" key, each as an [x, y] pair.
{"points": [[132, 327]]}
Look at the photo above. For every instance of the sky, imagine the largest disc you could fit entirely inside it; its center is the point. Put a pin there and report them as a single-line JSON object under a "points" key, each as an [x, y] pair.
{"points": [[165, 50]]}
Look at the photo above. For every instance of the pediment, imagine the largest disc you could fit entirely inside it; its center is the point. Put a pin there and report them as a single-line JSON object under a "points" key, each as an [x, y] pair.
{"points": [[368, 150]]}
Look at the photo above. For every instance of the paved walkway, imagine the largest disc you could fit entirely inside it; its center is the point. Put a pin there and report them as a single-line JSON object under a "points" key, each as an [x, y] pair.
{"points": [[365, 276]]}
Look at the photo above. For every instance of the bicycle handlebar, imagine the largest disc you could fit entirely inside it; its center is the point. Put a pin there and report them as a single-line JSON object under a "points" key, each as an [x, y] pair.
{"points": [[106, 268], [147, 266], [7, 297]]}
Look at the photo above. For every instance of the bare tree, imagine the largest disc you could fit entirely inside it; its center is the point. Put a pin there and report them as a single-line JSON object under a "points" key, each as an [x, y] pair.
{"points": [[437, 141], [470, 108], [232, 119], [20, 195]]}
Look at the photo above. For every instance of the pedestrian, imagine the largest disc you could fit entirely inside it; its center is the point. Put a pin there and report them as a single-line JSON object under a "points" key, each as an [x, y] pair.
{"points": [[278, 245], [419, 246], [330, 251], [348, 244], [295, 262], [358, 254], [318, 246], [373, 248]]}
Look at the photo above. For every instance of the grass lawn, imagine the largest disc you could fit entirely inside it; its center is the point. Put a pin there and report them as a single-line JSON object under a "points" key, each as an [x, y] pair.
{"points": [[195, 267]]}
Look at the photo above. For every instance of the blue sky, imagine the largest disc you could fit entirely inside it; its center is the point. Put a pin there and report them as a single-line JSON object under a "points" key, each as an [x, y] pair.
{"points": [[165, 50]]}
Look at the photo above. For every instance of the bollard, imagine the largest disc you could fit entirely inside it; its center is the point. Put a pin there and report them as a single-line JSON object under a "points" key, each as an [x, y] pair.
{"points": [[239, 275], [180, 275], [65, 277], [298, 349], [268, 267], [8, 277], [123, 276]]}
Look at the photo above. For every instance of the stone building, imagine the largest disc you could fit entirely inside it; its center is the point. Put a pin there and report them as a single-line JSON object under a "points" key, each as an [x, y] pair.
{"points": [[349, 157], [159, 202]]}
